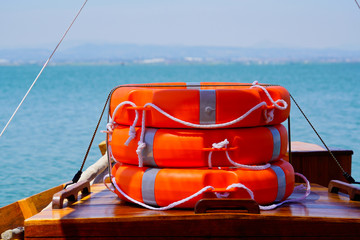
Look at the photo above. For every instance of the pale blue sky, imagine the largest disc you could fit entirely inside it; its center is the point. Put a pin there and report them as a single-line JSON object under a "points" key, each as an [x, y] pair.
{"points": [[244, 23]]}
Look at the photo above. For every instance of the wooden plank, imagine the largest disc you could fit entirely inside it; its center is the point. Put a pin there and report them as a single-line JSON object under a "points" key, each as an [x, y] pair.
{"points": [[352, 190], [305, 147], [102, 147], [70, 193], [103, 215], [316, 163], [13, 215]]}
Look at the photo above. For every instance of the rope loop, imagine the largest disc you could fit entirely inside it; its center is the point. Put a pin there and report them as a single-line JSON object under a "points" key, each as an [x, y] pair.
{"points": [[111, 125], [224, 144], [284, 104]]}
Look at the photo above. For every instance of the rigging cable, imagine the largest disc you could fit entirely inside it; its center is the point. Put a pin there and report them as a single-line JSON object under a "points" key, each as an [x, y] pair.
{"points": [[347, 176], [357, 3], [42, 69], [78, 174]]}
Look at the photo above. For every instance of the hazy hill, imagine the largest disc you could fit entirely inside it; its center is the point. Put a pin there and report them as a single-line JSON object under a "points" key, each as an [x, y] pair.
{"points": [[92, 53]]}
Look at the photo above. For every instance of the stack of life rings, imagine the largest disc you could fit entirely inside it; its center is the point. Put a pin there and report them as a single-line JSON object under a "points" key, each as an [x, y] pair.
{"points": [[176, 143]]}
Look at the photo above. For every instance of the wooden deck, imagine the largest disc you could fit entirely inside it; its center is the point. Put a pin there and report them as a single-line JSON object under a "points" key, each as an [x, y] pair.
{"points": [[102, 215]]}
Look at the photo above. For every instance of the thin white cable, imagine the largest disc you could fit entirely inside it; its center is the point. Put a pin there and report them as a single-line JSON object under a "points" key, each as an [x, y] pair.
{"points": [[42, 69]]}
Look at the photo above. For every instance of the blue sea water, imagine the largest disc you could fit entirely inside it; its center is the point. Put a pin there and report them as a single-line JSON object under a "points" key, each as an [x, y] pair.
{"points": [[46, 142]]}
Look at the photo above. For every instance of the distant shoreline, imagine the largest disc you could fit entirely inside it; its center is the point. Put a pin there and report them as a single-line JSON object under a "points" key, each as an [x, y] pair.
{"points": [[122, 54], [179, 62]]}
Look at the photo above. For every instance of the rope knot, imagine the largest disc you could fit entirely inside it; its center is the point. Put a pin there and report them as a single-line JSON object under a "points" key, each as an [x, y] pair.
{"points": [[269, 115], [220, 144], [132, 135], [110, 126], [139, 150], [141, 146]]}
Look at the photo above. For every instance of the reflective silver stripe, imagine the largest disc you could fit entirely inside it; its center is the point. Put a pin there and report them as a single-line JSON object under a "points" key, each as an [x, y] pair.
{"points": [[193, 85], [277, 142], [148, 152], [281, 182], [148, 186], [207, 106]]}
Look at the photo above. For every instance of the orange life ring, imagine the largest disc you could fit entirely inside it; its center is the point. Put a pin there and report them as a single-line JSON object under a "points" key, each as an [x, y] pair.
{"points": [[161, 187], [191, 147], [203, 104]]}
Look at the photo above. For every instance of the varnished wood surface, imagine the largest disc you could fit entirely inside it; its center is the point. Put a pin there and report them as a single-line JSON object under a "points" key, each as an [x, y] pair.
{"points": [[13, 215], [102, 147], [305, 147], [103, 215], [353, 190], [71, 193], [315, 162]]}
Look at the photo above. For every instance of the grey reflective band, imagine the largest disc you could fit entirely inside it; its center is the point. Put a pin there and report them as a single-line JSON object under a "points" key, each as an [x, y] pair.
{"points": [[207, 106], [207, 114], [148, 186], [148, 152], [277, 142], [281, 179], [193, 85]]}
